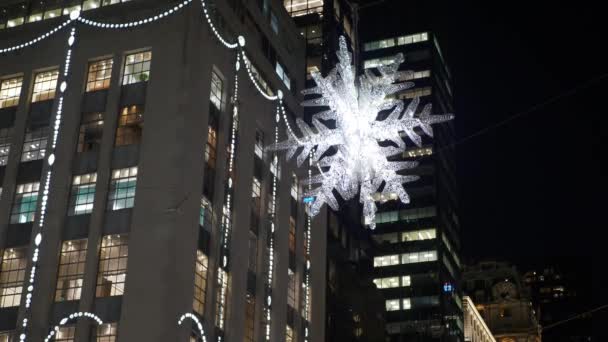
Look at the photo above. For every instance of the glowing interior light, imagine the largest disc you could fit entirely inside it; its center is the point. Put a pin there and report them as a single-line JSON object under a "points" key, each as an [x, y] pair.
{"points": [[359, 163]]}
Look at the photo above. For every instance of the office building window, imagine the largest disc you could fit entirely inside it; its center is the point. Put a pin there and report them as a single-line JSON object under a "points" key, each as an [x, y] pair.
{"points": [[65, 334], [10, 90], [253, 251], [396, 41], [5, 144], [406, 280], [210, 148], [282, 73], [259, 144], [106, 332], [122, 188], [45, 84], [256, 195], [112, 272], [12, 276], [295, 187], [406, 303], [217, 91], [205, 218], [82, 196], [200, 282], [71, 270], [387, 283], [100, 73], [411, 258], [274, 23], [302, 7], [25, 203], [292, 234], [5, 336], [392, 305], [137, 68], [386, 260], [34, 145], [291, 288], [249, 318], [416, 235], [417, 92], [288, 334], [130, 125], [91, 131]]}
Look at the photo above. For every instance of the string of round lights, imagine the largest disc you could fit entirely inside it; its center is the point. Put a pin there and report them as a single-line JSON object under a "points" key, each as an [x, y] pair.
{"points": [[137, 22], [198, 323], [71, 317]]}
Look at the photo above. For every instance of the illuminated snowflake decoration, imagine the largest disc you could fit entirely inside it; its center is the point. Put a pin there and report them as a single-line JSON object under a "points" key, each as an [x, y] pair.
{"points": [[349, 158]]}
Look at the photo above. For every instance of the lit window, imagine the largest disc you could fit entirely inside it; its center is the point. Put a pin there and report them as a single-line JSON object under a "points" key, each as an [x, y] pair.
{"points": [[217, 89], [205, 218], [425, 234], [387, 283], [100, 73], [294, 187], [259, 144], [275, 168], [45, 84], [112, 272], [68, 10], [406, 302], [392, 305], [91, 131], [15, 22], [34, 145], [5, 336], [280, 70], [387, 260], [130, 125], [137, 68], [90, 4], [406, 281], [200, 282], [410, 258], [210, 148], [106, 332], [65, 334], [34, 17], [288, 334], [82, 196], [249, 318], [24, 205], [71, 270], [10, 90], [12, 276], [302, 7], [291, 288], [122, 188], [5, 145], [53, 13]]}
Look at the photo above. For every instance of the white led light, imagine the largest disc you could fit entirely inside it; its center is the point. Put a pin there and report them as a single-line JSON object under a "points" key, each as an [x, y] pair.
{"points": [[38, 239], [74, 14]]}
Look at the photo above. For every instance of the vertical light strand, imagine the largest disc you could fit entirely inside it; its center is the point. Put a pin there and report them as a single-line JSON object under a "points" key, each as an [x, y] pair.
{"points": [[47, 179], [308, 238], [226, 223], [273, 221]]}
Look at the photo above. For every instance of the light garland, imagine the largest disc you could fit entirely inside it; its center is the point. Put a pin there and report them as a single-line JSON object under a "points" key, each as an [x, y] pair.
{"points": [[65, 320], [360, 164], [75, 17], [137, 22], [198, 323]]}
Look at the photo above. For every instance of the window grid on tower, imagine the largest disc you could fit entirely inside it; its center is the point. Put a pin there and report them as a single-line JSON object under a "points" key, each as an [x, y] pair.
{"points": [[100, 74], [137, 68], [25, 203], [112, 272], [65, 334], [82, 196], [130, 125], [34, 144], [122, 188], [10, 91], [71, 270], [12, 276], [106, 332], [45, 84], [5, 144], [91, 131], [200, 282]]}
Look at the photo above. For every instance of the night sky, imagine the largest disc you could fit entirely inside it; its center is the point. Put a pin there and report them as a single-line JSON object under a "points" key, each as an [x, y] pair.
{"points": [[530, 188]]}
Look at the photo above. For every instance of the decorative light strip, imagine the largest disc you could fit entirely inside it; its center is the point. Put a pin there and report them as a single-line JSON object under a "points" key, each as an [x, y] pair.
{"points": [[254, 81], [37, 39], [65, 320], [199, 325], [215, 32], [137, 22], [47, 181], [308, 237], [287, 122]]}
